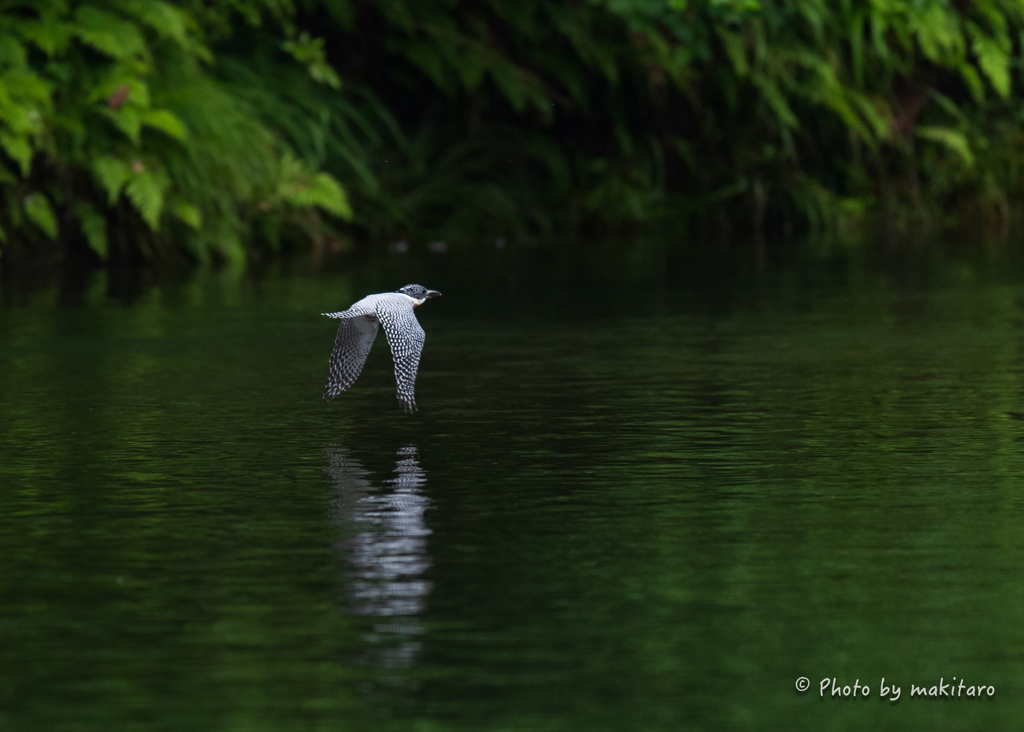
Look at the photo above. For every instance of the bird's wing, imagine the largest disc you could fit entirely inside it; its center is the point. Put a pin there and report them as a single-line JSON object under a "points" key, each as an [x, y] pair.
{"points": [[405, 336], [360, 308], [351, 347]]}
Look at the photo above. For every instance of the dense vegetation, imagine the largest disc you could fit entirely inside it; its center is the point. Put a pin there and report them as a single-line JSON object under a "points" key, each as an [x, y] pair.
{"points": [[211, 128]]}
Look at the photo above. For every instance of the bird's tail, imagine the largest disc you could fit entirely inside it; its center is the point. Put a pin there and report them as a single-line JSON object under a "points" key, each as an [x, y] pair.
{"points": [[407, 403]]}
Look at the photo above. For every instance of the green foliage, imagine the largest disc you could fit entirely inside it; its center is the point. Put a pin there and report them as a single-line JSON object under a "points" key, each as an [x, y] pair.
{"points": [[110, 112], [657, 108], [217, 127], [40, 213], [94, 226]]}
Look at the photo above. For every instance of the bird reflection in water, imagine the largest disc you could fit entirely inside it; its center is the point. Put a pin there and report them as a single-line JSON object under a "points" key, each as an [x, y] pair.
{"points": [[386, 551]]}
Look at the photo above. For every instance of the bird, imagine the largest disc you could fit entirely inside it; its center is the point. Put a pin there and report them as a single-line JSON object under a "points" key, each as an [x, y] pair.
{"points": [[393, 310]]}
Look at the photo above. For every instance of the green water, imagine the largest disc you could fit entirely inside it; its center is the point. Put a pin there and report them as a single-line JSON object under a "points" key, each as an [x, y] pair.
{"points": [[651, 507]]}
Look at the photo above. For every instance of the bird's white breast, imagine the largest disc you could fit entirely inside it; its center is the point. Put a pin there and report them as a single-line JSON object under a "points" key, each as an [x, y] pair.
{"points": [[415, 302]]}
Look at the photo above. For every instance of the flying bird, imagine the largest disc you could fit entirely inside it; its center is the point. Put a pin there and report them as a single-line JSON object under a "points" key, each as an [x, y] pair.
{"points": [[394, 311]]}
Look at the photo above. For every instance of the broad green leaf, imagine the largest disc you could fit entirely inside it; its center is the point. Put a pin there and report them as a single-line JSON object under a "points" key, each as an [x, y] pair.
{"points": [[869, 111], [425, 56], [735, 48], [324, 73], [776, 101], [12, 53], [164, 18], [19, 119], [994, 60], [186, 212], [230, 248], [51, 36], [146, 192], [324, 192], [109, 34], [164, 121], [310, 52], [30, 93], [938, 33], [127, 119], [19, 149], [952, 139], [112, 174], [878, 29], [40, 213], [94, 226], [814, 14], [973, 82]]}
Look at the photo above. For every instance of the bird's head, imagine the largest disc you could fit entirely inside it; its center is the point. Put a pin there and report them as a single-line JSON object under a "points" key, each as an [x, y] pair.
{"points": [[419, 293]]}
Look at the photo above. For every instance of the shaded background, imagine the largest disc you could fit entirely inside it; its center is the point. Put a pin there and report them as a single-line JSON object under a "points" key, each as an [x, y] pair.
{"points": [[216, 131]]}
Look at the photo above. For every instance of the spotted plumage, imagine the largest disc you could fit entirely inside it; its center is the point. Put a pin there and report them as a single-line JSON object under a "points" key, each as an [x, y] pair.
{"points": [[393, 311]]}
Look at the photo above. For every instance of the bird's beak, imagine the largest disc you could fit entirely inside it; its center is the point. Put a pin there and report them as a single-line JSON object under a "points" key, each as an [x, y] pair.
{"points": [[433, 293]]}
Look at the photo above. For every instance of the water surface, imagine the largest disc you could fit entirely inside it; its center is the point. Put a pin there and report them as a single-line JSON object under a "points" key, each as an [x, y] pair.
{"points": [[618, 508]]}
